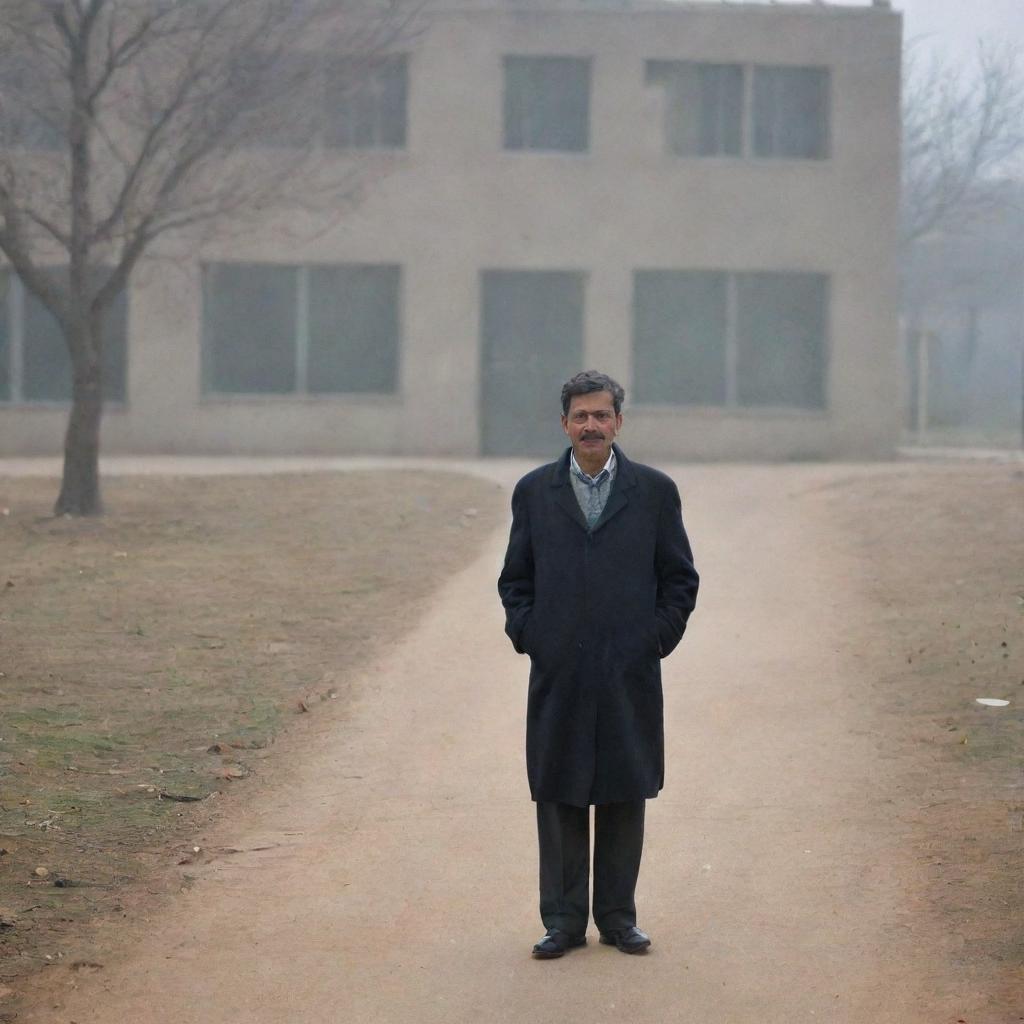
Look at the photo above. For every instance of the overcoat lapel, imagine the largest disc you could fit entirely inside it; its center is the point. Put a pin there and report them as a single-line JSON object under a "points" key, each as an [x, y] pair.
{"points": [[625, 480], [565, 496]]}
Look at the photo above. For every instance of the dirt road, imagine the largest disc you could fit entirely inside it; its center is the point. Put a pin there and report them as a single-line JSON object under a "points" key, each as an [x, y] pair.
{"points": [[394, 879]]}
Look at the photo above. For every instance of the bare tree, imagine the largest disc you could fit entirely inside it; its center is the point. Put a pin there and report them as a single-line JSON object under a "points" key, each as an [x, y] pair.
{"points": [[122, 121], [963, 133]]}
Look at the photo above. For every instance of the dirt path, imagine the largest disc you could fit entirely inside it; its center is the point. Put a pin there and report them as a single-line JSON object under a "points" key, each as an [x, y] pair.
{"points": [[399, 883]]}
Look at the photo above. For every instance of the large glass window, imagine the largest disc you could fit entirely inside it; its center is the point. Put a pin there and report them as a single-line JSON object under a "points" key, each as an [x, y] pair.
{"points": [[353, 328], [791, 112], [34, 361], [714, 338], [703, 106], [249, 327], [31, 114], [351, 102], [284, 329], [744, 111], [680, 336], [547, 103], [366, 105], [781, 327]]}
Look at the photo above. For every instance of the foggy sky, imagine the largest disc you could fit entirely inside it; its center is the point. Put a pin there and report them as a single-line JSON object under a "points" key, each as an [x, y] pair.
{"points": [[953, 27]]}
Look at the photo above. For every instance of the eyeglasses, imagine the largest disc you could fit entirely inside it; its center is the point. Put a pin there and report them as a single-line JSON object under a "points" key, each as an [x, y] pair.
{"points": [[602, 416]]}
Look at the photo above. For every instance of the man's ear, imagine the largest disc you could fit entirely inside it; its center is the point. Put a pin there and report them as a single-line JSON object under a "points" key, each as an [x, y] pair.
{"points": [[565, 423]]}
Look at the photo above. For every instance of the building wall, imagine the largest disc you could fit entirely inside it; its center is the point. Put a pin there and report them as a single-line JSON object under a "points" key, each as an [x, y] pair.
{"points": [[454, 203]]}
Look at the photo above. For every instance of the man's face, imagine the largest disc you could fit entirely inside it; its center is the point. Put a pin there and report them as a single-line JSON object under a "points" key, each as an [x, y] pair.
{"points": [[592, 424]]}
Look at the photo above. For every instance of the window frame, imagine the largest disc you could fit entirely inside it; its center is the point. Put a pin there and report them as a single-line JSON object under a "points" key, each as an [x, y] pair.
{"points": [[748, 123], [587, 63], [301, 392], [374, 88], [731, 404], [14, 305], [321, 130]]}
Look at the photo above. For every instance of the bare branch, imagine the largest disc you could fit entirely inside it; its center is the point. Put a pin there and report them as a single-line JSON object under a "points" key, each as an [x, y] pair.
{"points": [[962, 133]]}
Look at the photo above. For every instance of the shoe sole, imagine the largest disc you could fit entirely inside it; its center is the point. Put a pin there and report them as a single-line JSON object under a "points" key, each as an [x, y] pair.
{"points": [[632, 951]]}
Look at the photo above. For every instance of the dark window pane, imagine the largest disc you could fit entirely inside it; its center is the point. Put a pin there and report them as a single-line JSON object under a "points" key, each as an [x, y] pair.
{"points": [[46, 365], [115, 349], [45, 362], [679, 330], [353, 328], [547, 103], [5, 347], [531, 324], [249, 318], [791, 112], [284, 101], [781, 336], [32, 113], [703, 106], [367, 102]]}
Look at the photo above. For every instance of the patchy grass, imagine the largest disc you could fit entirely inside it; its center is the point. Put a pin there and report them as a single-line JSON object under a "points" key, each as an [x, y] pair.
{"points": [[148, 659]]}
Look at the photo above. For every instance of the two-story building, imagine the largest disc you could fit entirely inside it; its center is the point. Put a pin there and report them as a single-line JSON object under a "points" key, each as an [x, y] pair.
{"points": [[698, 198]]}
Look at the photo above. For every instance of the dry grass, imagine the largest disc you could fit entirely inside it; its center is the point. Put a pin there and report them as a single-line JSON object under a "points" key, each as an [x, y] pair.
{"points": [[197, 613], [941, 551]]}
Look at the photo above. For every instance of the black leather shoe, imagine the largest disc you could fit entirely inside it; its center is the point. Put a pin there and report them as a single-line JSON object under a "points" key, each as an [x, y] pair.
{"points": [[555, 943], [629, 940]]}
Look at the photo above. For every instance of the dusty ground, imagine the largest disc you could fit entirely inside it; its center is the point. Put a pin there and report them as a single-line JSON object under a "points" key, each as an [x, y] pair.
{"points": [[839, 839], [149, 659]]}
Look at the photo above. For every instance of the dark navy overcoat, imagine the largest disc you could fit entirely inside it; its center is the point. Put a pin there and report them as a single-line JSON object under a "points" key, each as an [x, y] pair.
{"points": [[596, 609]]}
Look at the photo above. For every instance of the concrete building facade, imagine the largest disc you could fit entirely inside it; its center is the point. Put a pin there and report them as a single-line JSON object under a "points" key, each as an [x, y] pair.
{"points": [[700, 199]]}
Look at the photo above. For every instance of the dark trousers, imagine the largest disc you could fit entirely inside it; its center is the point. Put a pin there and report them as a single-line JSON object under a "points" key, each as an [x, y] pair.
{"points": [[563, 833]]}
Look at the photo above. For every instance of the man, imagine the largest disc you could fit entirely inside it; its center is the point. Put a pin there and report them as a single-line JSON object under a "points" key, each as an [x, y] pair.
{"points": [[598, 583]]}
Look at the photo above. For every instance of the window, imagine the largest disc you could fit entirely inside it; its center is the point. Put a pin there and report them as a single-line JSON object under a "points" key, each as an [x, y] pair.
{"points": [[366, 105], [703, 108], [34, 361], [703, 337], [781, 326], [334, 101], [679, 336], [289, 88], [706, 114], [276, 329], [791, 112], [547, 103], [31, 117]]}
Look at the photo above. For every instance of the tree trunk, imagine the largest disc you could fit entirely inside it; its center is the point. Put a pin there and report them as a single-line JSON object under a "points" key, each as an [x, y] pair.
{"points": [[80, 486]]}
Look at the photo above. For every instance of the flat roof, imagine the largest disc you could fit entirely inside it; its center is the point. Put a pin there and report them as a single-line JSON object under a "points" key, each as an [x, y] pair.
{"points": [[817, 8]]}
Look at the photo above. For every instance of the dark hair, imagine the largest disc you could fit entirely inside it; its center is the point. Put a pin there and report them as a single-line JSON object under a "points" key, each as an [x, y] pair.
{"points": [[587, 382]]}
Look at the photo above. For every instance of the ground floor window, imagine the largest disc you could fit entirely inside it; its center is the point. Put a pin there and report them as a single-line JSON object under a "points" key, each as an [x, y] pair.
{"points": [[705, 337], [285, 329], [34, 361]]}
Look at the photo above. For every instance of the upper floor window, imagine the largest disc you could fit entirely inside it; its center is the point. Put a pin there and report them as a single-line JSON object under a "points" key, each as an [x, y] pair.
{"points": [[366, 105], [791, 112], [34, 361], [337, 102], [285, 329], [30, 115], [703, 108], [547, 103], [737, 110]]}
